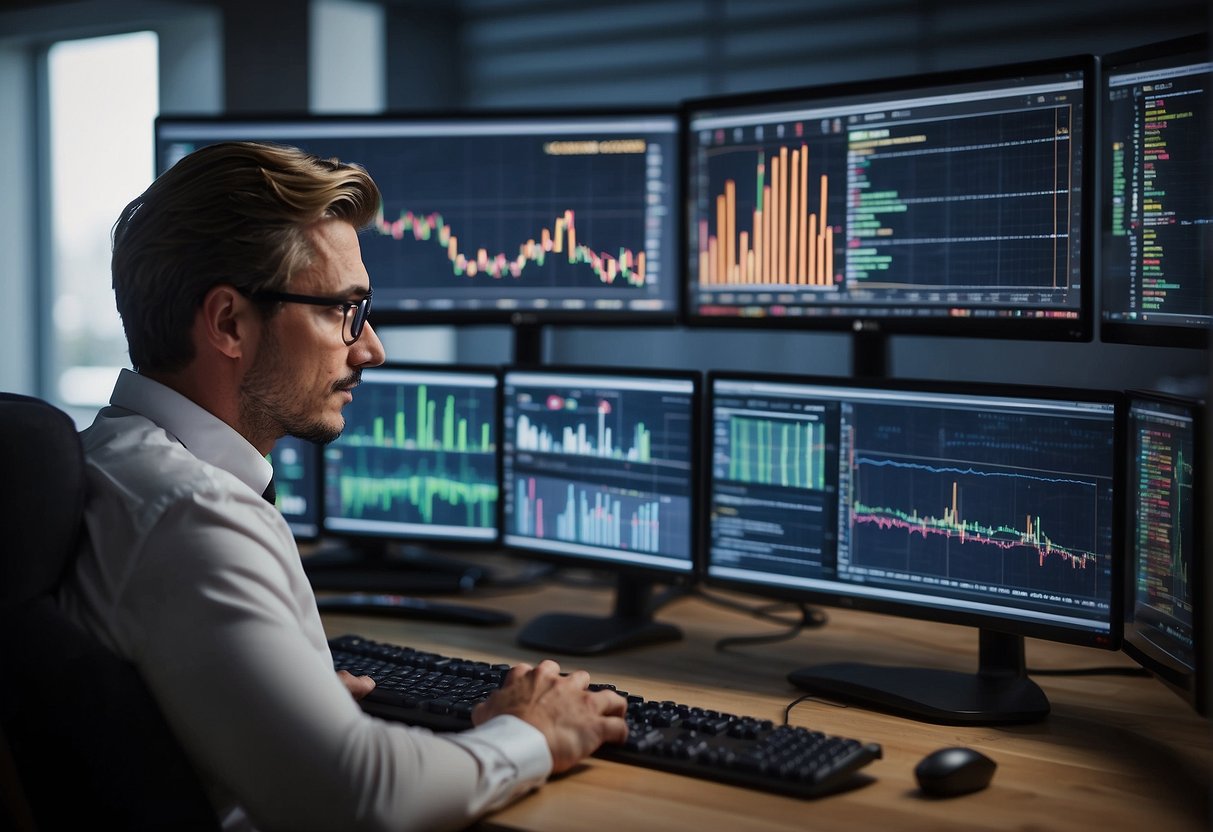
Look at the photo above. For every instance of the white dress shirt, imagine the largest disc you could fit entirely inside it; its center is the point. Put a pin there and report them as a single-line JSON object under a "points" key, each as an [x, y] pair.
{"points": [[195, 578]]}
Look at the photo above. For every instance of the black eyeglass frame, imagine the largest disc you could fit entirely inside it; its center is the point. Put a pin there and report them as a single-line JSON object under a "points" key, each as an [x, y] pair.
{"points": [[361, 308]]}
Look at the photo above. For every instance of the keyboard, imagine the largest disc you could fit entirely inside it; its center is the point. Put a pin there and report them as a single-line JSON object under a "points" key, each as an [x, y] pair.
{"points": [[439, 692]]}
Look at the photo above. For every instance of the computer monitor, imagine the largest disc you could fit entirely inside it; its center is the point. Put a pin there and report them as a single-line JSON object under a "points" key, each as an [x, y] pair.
{"points": [[989, 506], [508, 217], [951, 203], [1165, 540], [1157, 200], [416, 464], [598, 471], [297, 485]]}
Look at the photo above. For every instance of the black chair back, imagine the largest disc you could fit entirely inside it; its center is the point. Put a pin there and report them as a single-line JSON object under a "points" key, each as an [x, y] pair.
{"points": [[89, 744]]}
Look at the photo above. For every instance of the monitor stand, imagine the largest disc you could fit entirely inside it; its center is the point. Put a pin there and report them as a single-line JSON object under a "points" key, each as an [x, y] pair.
{"points": [[382, 566], [375, 580], [528, 343], [631, 624], [999, 693], [869, 352]]}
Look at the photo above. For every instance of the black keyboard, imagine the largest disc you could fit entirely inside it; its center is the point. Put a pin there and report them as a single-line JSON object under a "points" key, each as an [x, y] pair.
{"points": [[439, 692]]}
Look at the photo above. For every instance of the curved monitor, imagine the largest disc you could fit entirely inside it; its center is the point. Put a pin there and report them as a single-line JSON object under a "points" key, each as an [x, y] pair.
{"points": [[599, 471], [527, 217], [989, 506], [1157, 203], [1164, 625], [951, 203]]}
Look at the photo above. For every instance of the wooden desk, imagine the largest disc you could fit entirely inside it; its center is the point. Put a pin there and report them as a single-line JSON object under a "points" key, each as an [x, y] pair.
{"points": [[1116, 752]]}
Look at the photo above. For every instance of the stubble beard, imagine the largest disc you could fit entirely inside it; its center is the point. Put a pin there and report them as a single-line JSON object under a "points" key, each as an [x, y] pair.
{"points": [[271, 407]]}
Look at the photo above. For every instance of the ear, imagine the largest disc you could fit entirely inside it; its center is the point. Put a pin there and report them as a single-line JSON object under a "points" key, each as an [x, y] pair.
{"points": [[227, 322]]}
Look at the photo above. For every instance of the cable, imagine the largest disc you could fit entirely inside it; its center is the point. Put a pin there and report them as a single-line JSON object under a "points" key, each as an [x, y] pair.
{"points": [[763, 611], [809, 617]]}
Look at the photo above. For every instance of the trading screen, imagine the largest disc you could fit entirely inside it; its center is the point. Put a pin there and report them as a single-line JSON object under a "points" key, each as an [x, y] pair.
{"points": [[417, 458], [1157, 201], [600, 467], [1162, 462], [551, 216], [987, 505], [960, 200]]}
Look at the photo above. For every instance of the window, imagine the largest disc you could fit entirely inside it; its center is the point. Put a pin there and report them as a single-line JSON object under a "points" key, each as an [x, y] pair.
{"points": [[103, 97]]}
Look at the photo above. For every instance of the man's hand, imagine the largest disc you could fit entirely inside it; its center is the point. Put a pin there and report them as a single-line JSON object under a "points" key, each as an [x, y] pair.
{"points": [[574, 720], [358, 686]]}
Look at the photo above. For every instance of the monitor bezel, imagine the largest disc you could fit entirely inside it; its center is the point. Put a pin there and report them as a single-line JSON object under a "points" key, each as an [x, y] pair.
{"points": [[429, 541], [985, 621], [1079, 329], [1142, 57], [1190, 685], [492, 316], [608, 565]]}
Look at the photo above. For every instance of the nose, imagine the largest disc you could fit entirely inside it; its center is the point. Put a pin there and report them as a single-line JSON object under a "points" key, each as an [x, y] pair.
{"points": [[368, 350]]}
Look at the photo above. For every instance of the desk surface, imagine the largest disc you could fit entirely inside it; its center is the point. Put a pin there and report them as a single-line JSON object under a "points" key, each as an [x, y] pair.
{"points": [[1117, 752]]}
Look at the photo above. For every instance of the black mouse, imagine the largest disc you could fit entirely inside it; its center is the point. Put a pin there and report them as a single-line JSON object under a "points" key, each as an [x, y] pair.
{"points": [[954, 771]]}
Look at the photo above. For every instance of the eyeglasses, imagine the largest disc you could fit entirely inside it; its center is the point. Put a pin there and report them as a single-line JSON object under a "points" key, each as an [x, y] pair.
{"points": [[352, 325]]}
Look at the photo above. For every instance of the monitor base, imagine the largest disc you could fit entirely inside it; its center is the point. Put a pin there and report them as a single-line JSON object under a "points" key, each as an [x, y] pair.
{"points": [[405, 606], [630, 624], [1000, 692], [942, 696], [584, 635]]}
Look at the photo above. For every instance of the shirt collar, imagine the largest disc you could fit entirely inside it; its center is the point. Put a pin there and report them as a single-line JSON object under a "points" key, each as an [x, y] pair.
{"points": [[202, 433]]}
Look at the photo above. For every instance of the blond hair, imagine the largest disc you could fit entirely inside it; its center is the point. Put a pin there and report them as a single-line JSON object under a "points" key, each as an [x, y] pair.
{"points": [[236, 213]]}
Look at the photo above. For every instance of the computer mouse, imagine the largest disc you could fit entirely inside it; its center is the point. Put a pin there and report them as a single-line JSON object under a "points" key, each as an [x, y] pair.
{"points": [[948, 772]]}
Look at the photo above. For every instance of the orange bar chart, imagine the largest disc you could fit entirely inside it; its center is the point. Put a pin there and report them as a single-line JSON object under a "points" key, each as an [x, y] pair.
{"points": [[786, 244]]}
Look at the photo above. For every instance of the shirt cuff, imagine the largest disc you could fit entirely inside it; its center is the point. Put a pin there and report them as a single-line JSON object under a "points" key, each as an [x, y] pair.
{"points": [[513, 755]]}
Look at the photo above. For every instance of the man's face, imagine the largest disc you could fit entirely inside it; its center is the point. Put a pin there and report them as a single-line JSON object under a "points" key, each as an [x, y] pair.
{"points": [[304, 371]]}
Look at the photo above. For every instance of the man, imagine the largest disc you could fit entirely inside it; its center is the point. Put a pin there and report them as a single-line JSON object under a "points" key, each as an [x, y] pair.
{"points": [[241, 288]]}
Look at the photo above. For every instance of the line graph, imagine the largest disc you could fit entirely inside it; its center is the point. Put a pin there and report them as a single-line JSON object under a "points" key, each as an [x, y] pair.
{"points": [[561, 238], [1013, 502], [995, 526]]}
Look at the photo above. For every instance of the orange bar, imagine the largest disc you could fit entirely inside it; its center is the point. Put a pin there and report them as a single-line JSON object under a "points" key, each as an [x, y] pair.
{"points": [[803, 271], [730, 218], [711, 258], [773, 223], [743, 256], [759, 246], [640, 269], [794, 219], [827, 275], [768, 235], [452, 249], [781, 269], [814, 277], [829, 246], [719, 275], [558, 235]]}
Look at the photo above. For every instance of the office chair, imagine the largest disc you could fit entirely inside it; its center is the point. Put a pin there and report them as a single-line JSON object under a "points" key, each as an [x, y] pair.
{"points": [[88, 744]]}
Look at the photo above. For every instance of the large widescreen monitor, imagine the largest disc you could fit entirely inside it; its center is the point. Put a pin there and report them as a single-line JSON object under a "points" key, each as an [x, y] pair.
{"points": [[598, 471], [1164, 627], [994, 507], [1157, 203], [532, 217], [951, 203]]}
